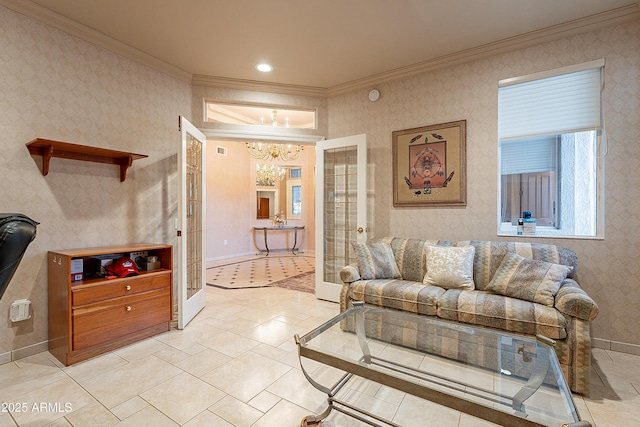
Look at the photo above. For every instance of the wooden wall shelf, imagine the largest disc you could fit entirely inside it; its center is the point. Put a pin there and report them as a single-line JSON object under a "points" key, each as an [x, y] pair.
{"points": [[65, 150]]}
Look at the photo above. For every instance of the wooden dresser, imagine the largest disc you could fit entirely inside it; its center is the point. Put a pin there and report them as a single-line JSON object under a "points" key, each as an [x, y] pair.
{"points": [[94, 315]]}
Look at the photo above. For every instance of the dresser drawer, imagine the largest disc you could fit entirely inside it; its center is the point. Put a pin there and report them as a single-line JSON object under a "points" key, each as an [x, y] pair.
{"points": [[120, 288], [114, 318]]}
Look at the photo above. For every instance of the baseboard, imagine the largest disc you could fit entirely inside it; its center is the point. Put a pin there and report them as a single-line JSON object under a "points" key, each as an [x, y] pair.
{"points": [[30, 350], [600, 343], [618, 346], [21, 353]]}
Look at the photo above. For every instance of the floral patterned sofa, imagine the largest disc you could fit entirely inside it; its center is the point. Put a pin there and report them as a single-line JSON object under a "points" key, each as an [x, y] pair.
{"points": [[523, 288]]}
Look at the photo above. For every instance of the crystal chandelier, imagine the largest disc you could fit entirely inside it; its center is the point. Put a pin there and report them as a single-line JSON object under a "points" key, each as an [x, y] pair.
{"points": [[268, 175], [274, 119], [282, 152]]}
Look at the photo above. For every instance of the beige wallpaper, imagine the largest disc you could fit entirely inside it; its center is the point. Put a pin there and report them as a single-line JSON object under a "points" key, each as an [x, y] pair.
{"points": [[58, 87], [610, 268]]}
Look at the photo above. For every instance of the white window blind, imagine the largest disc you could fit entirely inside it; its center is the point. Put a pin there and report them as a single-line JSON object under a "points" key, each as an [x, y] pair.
{"points": [[528, 156], [551, 103]]}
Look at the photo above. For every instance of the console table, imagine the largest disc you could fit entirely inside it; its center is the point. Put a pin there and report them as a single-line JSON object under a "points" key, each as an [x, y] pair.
{"points": [[266, 231]]}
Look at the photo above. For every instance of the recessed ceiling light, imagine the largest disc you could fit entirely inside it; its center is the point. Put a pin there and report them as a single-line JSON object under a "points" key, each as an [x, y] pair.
{"points": [[265, 68]]}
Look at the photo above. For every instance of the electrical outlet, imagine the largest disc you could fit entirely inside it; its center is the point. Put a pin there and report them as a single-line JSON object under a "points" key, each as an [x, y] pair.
{"points": [[20, 310], [225, 242]]}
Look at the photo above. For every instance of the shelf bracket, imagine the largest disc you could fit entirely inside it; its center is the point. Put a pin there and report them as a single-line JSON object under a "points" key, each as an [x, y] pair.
{"points": [[47, 153], [125, 163]]}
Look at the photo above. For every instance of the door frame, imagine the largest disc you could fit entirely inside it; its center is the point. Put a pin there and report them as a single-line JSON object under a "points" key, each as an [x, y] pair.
{"points": [[242, 136]]}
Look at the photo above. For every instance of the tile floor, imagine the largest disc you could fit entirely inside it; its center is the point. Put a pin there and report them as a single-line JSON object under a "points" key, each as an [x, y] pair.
{"points": [[252, 272], [236, 365]]}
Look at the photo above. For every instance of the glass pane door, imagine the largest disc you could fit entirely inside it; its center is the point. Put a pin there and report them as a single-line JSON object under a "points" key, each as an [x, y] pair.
{"points": [[191, 264], [194, 216], [341, 220]]}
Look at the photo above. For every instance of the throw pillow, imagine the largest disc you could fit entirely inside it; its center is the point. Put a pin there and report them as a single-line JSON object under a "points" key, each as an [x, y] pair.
{"points": [[376, 261], [528, 279], [450, 267]]}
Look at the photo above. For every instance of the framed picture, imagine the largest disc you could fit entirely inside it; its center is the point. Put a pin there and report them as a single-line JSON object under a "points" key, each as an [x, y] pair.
{"points": [[429, 165]]}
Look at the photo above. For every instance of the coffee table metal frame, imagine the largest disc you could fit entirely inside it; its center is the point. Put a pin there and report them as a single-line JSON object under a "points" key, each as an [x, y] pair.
{"points": [[393, 374]]}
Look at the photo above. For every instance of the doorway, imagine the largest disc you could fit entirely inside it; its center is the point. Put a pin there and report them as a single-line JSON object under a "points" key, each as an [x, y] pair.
{"points": [[236, 203]]}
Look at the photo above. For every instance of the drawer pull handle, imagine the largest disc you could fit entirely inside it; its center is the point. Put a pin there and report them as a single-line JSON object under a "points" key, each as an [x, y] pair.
{"points": [[128, 287], [128, 308]]}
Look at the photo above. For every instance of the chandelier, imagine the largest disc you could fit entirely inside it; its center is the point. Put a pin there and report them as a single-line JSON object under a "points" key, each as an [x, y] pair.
{"points": [[268, 175], [274, 119], [283, 152]]}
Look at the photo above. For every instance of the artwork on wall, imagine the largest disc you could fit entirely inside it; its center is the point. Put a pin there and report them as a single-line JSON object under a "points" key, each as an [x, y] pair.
{"points": [[429, 165]]}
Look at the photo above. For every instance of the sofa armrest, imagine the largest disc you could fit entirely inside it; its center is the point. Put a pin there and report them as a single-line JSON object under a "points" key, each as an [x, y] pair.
{"points": [[350, 273], [572, 300]]}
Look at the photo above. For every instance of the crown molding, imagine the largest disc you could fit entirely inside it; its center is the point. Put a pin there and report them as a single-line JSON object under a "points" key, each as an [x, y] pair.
{"points": [[55, 20], [589, 23], [556, 32], [260, 86]]}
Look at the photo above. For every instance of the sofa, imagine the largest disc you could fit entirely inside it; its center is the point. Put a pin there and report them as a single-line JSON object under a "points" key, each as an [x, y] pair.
{"points": [[523, 288]]}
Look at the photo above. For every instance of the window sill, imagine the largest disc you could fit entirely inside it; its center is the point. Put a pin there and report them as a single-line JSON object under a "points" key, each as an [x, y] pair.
{"points": [[508, 230]]}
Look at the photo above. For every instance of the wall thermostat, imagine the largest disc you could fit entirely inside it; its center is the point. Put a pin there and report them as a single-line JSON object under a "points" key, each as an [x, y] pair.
{"points": [[374, 95]]}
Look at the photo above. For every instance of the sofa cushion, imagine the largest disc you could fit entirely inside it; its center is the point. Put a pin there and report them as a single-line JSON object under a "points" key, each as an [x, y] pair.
{"points": [[489, 256], [450, 267], [399, 294], [376, 261], [528, 279], [410, 255], [500, 312]]}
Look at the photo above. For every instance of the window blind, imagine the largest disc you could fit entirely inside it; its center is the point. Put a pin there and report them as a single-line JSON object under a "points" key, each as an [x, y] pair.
{"points": [[528, 156], [550, 105]]}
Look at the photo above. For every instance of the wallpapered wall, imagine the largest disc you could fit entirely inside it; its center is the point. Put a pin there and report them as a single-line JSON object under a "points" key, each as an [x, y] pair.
{"points": [[610, 268], [58, 87]]}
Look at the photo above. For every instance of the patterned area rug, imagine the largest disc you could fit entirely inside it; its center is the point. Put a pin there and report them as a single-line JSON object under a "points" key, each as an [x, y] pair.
{"points": [[305, 282]]}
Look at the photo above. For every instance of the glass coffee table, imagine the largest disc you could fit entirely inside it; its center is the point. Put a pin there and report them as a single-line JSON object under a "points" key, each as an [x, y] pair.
{"points": [[504, 378]]}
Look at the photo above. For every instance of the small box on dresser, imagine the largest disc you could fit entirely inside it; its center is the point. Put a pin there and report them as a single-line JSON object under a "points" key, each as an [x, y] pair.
{"points": [[95, 315]]}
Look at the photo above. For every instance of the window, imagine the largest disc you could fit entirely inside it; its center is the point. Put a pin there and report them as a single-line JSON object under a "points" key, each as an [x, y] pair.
{"points": [[295, 172], [294, 199], [259, 115], [550, 130]]}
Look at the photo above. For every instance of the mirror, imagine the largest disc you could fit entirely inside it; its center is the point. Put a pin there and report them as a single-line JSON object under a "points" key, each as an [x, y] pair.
{"points": [[284, 197], [267, 203]]}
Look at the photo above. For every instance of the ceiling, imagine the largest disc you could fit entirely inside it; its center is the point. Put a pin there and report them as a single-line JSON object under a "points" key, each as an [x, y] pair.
{"points": [[320, 45]]}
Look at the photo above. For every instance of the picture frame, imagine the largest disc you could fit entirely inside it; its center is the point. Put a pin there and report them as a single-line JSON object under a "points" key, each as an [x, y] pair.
{"points": [[429, 165]]}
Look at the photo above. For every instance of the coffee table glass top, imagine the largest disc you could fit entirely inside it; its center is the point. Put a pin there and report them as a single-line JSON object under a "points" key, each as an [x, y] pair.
{"points": [[504, 378]]}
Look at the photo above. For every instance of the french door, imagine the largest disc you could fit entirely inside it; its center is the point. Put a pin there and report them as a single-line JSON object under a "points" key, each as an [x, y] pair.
{"points": [[341, 209], [191, 222]]}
